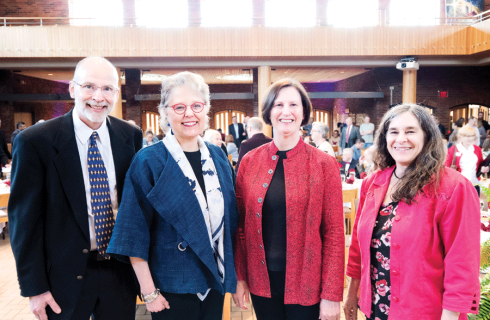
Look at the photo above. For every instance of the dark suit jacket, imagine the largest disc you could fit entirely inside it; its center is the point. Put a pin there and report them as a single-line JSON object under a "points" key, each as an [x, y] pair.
{"points": [[354, 134], [353, 165], [4, 146], [256, 141], [47, 210], [241, 130]]}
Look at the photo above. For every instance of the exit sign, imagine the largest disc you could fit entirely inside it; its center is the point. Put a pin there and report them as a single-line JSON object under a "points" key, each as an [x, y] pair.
{"points": [[443, 94]]}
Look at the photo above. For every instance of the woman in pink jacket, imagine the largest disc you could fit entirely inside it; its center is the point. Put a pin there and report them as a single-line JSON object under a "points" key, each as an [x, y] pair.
{"points": [[415, 249]]}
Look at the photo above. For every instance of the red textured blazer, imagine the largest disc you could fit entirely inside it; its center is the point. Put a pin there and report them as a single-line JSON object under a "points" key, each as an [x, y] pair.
{"points": [[314, 223]]}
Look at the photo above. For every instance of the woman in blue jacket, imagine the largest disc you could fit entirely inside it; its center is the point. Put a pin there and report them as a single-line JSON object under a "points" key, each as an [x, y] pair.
{"points": [[178, 211]]}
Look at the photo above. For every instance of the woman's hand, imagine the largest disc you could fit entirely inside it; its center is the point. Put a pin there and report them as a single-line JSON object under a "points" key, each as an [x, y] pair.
{"points": [[485, 169], [329, 310], [157, 305], [350, 307], [449, 315], [242, 293]]}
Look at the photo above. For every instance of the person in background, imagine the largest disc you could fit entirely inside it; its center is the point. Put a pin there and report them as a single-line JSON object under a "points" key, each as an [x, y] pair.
{"points": [[67, 181], [214, 137], [453, 138], [367, 131], [441, 128], [256, 138], [485, 149], [5, 155], [237, 131], [472, 122], [289, 249], [222, 134], [335, 138], [245, 126], [319, 135], [415, 251], [356, 149], [21, 126], [350, 133], [468, 156], [179, 213], [309, 126], [348, 163], [482, 132], [366, 163], [483, 122], [231, 148], [149, 139], [457, 124]]}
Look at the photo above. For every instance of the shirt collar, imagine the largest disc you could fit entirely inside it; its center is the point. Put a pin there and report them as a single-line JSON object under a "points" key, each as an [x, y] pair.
{"points": [[83, 132]]}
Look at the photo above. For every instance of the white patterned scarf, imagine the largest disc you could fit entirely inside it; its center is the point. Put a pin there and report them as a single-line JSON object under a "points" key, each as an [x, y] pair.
{"points": [[213, 210]]}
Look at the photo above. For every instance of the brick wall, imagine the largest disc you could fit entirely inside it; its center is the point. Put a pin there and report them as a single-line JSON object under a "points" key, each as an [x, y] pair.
{"points": [[34, 8]]}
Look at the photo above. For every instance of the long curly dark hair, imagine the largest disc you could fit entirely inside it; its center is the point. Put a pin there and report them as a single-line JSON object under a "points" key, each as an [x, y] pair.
{"points": [[426, 167]]}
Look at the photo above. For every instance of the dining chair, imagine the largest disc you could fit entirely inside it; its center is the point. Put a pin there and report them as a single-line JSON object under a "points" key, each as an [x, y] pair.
{"points": [[349, 196]]}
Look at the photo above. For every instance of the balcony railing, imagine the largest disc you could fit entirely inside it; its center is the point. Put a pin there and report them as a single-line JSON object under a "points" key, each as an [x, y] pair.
{"points": [[383, 20]]}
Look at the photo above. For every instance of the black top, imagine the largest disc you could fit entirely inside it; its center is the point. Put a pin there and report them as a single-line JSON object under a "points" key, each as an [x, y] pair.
{"points": [[194, 159], [274, 219]]}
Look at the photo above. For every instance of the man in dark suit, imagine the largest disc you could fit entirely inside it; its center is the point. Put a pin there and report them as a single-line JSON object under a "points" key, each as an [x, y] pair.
{"points": [[4, 150], [67, 180], [350, 133], [348, 163], [256, 138], [237, 131]]}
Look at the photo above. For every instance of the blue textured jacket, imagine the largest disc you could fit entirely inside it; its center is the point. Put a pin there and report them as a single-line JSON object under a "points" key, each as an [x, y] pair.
{"points": [[159, 212]]}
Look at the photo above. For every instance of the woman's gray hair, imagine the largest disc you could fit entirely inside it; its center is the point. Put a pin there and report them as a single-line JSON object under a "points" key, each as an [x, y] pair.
{"points": [[208, 135], [323, 128], [189, 79]]}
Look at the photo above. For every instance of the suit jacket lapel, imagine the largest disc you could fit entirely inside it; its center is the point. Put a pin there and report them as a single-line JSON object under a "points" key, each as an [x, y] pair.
{"points": [[173, 198], [122, 153], [69, 168]]}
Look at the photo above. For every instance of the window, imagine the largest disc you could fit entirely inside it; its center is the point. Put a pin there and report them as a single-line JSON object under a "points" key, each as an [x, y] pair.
{"points": [[290, 13], [415, 12], [151, 121], [107, 13], [226, 13], [162, 13], [223, 119], [352, 14]]}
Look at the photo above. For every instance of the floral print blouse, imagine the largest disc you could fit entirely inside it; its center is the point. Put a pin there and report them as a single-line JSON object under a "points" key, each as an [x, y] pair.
{"points": [[380, 262]]}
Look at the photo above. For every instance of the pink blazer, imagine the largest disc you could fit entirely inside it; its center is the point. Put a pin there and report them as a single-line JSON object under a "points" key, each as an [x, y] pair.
{"points": [[435, 248]]}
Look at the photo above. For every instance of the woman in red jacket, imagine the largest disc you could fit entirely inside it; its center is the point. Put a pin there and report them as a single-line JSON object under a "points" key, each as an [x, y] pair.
{"points": [[290, 239], [415, 251], [466, 155]]}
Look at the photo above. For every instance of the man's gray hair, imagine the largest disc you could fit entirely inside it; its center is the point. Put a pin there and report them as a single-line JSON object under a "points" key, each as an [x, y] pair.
{"points": [[189, 79], [256, 124], [323, 128]]}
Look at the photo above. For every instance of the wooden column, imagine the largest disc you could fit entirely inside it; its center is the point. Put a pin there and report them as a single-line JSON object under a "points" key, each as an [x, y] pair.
{"points": [[264, 82], [117, 111], [409, 86]]}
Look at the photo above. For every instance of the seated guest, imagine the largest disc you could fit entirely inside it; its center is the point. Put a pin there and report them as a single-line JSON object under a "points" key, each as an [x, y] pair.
{"points": [[348, 162], [335, 138], [222, 134], [214, 137], [319, 135], [231, 148], [178, 212], [149, 139], [366, 164], [356, 148], [256, 138]]}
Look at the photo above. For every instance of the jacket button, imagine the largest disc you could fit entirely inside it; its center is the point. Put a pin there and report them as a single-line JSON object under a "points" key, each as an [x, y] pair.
{"points": [[260, 200], [265, 185], [79, 277], [395, 299], [394, 272], [263, 262], [274, 157], [270, 171], [398, 218], [395, 246], [258, 215], [85, 251], [258, 231], [260, 246]]}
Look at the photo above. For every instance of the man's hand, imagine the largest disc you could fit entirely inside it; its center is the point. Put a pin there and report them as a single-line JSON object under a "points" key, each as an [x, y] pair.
{"points": [[38, 305]]}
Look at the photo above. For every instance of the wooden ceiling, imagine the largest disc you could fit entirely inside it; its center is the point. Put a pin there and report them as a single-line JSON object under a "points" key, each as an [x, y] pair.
{"points": [[219, 75]]}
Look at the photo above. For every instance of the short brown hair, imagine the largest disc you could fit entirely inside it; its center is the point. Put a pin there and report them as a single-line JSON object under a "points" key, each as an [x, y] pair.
{"points": [[229, 138], [271, 96]]}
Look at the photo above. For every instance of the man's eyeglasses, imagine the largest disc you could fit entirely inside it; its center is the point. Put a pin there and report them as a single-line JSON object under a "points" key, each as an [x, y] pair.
{"points": [[180, 108], [90, 88]]}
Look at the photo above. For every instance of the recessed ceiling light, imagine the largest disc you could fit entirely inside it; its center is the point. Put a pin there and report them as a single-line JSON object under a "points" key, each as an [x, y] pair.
{"points": [[341, 71], [237, 77], [150, 77], [50, 74]]}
